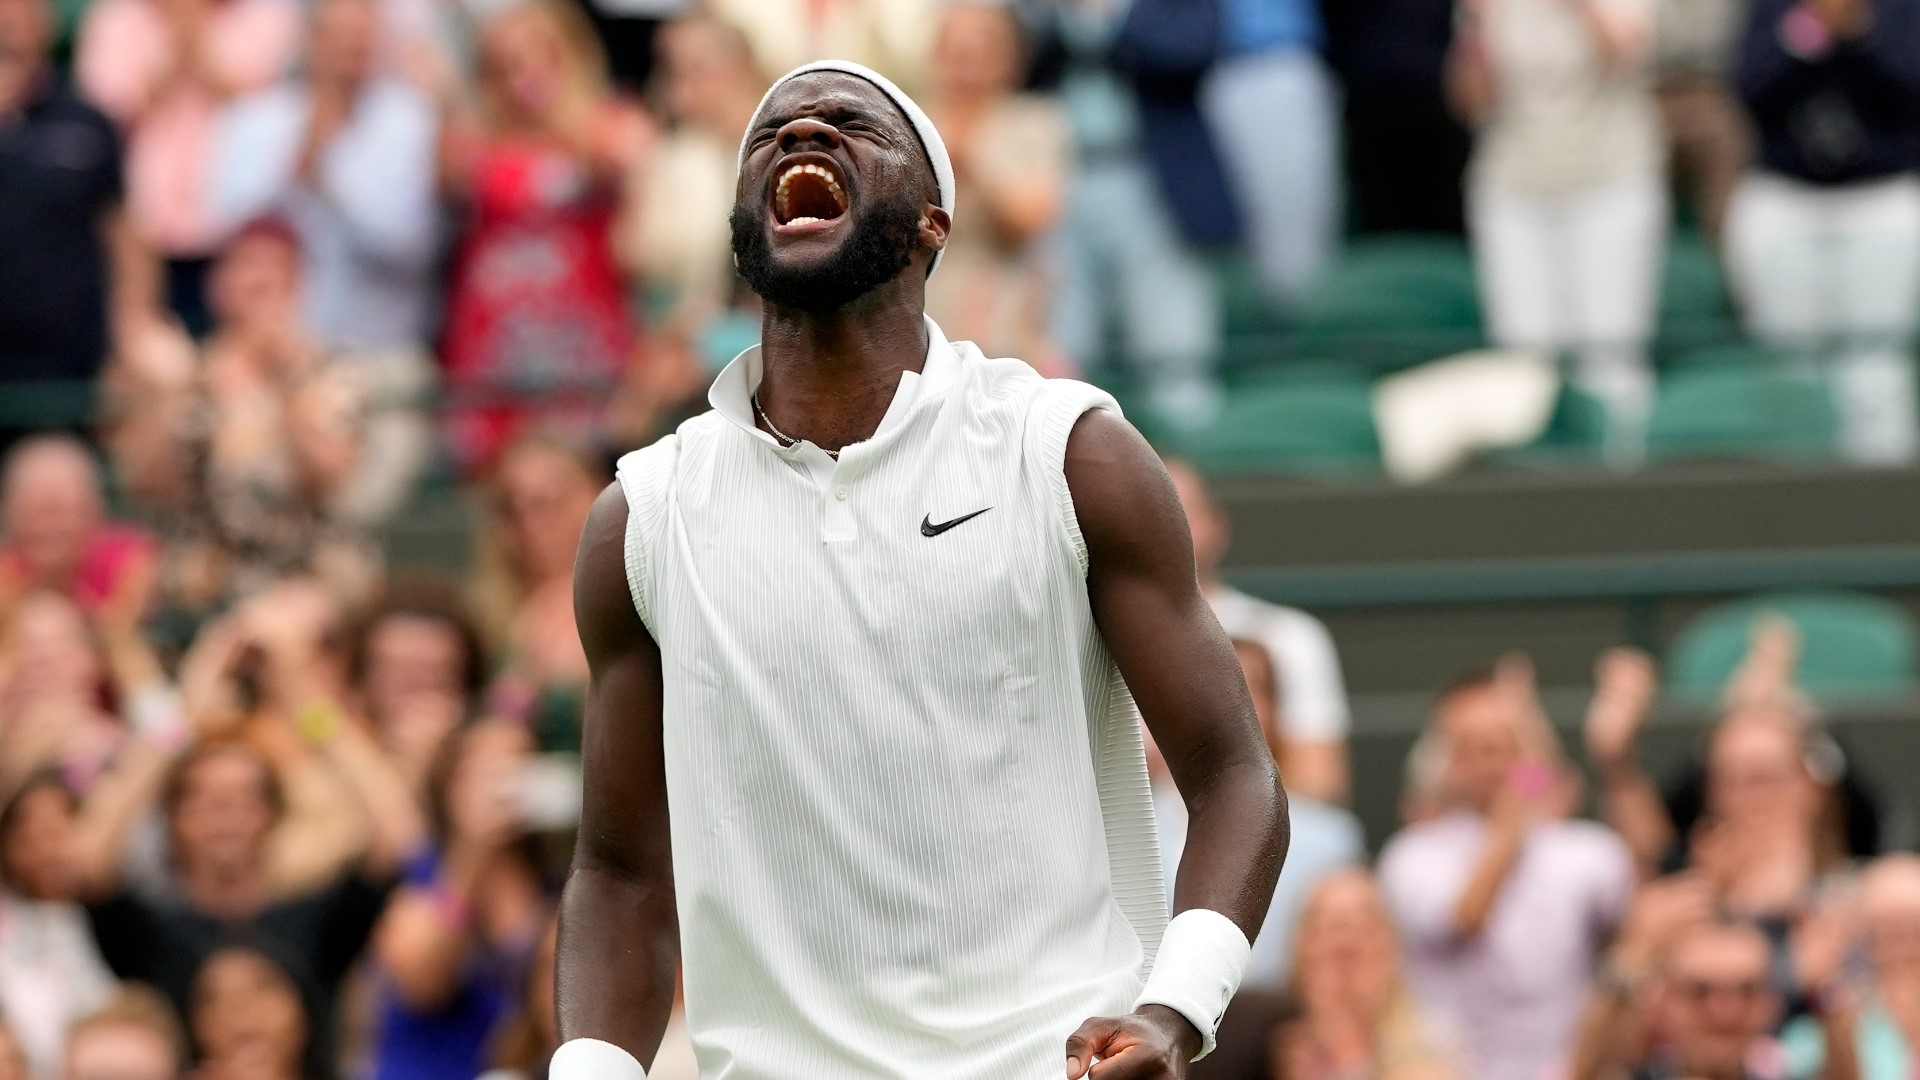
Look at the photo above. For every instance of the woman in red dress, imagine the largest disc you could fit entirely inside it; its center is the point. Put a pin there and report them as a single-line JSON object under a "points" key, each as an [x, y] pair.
{"points": [[539, 331]]}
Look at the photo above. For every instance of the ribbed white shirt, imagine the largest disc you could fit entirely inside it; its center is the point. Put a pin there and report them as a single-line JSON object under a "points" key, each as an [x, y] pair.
{"points": [[912, 831]]}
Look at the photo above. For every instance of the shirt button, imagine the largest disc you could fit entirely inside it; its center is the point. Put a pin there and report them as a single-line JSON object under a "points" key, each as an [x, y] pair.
{"points": [[840, 493]]}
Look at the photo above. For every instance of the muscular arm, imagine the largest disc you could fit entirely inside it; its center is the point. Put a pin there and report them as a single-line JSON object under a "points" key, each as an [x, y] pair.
{"points": [[619, 942], [1147, 604]]}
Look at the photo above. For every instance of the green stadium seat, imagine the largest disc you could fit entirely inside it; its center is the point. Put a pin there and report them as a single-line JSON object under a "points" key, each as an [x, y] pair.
{"points": [[1393, 283], [1290, 426], [1244, 307], [1851, 645], [1692, 290], [1741, 412]]}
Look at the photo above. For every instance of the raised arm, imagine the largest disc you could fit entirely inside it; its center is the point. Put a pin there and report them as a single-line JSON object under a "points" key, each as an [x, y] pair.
{"points": [[619, 939], [1626, 683], [1146, 601]]}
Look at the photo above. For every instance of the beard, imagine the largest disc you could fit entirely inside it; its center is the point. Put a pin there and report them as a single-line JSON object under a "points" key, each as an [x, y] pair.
{"points": [[880, 244]]}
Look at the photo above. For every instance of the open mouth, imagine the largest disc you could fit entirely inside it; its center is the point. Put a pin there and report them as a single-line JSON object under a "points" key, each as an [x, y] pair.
{"points": [[808, 194]]}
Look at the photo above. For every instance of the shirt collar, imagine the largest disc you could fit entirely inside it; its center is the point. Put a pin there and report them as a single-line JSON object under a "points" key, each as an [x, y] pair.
{"points": [[732, 393]]}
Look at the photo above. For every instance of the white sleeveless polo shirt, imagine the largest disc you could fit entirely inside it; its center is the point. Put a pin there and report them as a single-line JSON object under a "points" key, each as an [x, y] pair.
{"points": [[912, 831]]}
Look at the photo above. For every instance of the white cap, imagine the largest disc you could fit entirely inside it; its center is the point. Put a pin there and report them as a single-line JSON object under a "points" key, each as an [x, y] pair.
{"points": [[930, 141]]}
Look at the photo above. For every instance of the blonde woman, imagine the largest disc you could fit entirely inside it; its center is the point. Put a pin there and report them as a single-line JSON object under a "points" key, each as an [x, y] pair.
{"points": [[1356, 1016]]}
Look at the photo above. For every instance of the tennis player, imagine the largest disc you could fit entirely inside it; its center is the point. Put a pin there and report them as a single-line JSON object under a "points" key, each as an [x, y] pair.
{"points": [[862, 751]]}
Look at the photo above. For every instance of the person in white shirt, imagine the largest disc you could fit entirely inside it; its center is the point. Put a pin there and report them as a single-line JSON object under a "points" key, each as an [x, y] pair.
{"points": [[1313, 696], [346, 155], [861, 748]]}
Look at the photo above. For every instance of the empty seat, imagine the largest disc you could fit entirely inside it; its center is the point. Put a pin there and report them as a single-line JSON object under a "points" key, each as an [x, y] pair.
{"points": [[1741, 411], [1851, 644], [1321, 426]]}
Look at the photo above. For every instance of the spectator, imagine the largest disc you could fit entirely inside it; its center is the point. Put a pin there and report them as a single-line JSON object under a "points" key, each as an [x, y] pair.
{"points": [[1887, 1039], [1823, 239], [1273, 109], [1405, 152], [55, 535], [1357, 1018], [1313, 702], [673, 235], [1011, 163], [1567, 199], [162, 69], [255, 1016], [538, 328], [1326, 839], [454, 947], [1814, 782], [271, 433], [273, 673], [417, 667], [50, 973], [1709, 138], [893, 37], [54, 676], [134, 1036], [1765, 836], [1687, 994], [221, 804], [345, 155], [541, 494], [1502, 905], [65, 244], [1143, 285]]}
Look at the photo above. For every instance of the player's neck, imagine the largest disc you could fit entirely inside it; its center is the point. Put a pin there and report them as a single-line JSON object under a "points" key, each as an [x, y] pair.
{"points": [[830, 378]]}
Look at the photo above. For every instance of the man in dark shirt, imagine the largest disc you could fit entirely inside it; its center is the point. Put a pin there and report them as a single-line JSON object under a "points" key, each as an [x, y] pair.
{"points": [[67, 258], [1823, 239]]}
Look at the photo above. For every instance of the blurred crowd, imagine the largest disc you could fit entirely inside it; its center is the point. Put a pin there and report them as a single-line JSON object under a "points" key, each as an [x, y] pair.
{"points": [[304, 834], [1746, 918], [515, 209], [271, 812]]}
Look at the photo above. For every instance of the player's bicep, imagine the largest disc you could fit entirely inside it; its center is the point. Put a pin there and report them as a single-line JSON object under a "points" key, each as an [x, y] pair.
{"points": [[1147, 603], [623, 817]]}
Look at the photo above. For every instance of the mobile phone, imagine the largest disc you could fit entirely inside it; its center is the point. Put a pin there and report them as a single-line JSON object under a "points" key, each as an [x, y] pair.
{"points": [[1531, 780], [547, 792]]}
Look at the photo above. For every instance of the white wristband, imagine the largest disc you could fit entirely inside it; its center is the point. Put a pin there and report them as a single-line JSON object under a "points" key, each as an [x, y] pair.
{"points": [[1202, 958], [591, 1059]]}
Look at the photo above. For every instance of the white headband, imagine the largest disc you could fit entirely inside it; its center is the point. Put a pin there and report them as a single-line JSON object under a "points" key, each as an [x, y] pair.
{"points": [[930, 140]]}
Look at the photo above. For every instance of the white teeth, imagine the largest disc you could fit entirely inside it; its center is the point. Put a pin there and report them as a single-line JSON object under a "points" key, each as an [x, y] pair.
{"points": [[805, 220], [786, 179]]}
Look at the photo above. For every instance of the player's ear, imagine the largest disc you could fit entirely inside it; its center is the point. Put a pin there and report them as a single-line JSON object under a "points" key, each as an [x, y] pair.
{"points": [[935, 225]]}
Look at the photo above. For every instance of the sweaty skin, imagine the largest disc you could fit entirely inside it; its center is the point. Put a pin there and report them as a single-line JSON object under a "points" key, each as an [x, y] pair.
{"points": [[829, 377]]}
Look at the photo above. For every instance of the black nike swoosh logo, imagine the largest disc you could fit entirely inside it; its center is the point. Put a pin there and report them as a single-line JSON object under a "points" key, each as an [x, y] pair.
{"points": [[928, 528]]}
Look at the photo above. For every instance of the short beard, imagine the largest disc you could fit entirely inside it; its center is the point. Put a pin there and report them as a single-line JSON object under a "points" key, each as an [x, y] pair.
{"points": [[885, 235]]}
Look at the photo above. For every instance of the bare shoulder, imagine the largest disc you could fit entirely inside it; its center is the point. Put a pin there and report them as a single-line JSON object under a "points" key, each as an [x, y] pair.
{"points": [[602, 603], [1122, 496]]}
